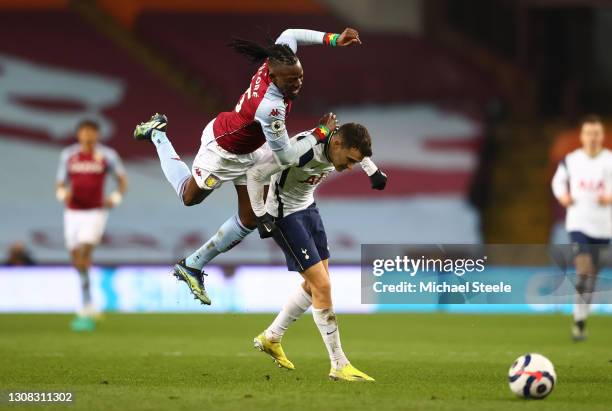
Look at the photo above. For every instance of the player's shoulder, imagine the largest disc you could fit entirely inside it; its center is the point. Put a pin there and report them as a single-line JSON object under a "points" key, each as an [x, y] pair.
{"points": [[319, 155], [606, 153], [576, 155], [106, 151], [273, 97], [271, 110], [70, 150]]}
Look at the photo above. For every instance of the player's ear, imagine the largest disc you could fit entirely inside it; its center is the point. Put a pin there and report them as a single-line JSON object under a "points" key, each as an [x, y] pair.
{"points": [[271, 72]]}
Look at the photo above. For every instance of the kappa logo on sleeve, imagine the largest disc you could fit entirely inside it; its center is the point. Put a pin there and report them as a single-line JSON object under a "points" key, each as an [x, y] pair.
{"points": [[274, 112]]}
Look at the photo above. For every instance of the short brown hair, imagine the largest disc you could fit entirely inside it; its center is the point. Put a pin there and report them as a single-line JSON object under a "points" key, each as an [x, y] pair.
{"points": [[356, 136], [88, 123], [591, 118]]}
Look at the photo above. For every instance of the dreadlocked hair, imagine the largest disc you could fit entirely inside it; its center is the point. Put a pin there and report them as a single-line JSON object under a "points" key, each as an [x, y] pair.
{"points": [[276, 53]]}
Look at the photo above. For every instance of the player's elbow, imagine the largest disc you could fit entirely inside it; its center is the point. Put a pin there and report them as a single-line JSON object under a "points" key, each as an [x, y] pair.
{"points": [[286, 33], [191, 199], [284, 157]]}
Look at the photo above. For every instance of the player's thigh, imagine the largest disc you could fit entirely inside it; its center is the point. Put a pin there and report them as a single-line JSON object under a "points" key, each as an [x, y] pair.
{"points": [[245, 211], [326, 265], [317, 230], [71, 229], [91, 229], [296, 241], [192, 193], [586, 252], [214, 165]]}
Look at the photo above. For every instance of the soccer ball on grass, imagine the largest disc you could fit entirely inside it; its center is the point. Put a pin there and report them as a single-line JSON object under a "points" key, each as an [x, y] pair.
{"points": [[532, 376]]}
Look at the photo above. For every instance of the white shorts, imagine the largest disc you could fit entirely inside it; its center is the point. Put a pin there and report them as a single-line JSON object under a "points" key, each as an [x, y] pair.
{"points": [[214, 165], [84, 226]]}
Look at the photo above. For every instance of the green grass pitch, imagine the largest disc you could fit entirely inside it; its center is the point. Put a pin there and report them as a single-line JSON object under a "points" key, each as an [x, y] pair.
{"points": [[206, 362]]}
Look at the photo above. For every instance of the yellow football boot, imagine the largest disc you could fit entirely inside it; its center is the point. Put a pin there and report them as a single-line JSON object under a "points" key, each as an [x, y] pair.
{"points": [[348, 373], [274, 350]]}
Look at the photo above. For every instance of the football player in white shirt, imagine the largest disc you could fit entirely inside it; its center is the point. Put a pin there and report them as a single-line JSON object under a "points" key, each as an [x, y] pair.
{"points": [[583, 185], [290, 215]]}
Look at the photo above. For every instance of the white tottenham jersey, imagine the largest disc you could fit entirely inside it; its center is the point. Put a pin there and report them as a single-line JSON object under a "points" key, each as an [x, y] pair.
{"points": [[291, 188], [585, 179]]}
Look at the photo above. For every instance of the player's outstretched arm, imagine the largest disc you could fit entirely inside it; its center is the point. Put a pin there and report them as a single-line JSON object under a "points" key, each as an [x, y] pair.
{"points": [[560, 185], [271, 116], [378, 179], [302, 37]]}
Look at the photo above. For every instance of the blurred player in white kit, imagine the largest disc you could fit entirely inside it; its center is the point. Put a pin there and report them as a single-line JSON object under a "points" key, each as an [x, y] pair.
{"points": [[583, 185], [80, 186]]}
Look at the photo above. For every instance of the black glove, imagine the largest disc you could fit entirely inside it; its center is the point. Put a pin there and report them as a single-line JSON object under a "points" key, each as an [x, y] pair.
{"points": [[378, 180], [266, 226]]}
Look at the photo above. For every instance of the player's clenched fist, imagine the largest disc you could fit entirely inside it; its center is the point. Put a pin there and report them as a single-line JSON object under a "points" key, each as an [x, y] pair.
{"points": [[266, 226], [348, 37], [327, 125], [378, 180], [329, 120]]}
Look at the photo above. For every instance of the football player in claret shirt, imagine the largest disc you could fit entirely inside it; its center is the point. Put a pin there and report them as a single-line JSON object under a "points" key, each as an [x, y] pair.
{"points": [[231, 142], [80, 186]]}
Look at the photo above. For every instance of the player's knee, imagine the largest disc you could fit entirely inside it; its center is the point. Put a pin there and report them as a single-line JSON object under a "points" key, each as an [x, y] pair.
{"points": [[247, 218], [321, 287], [79, 264], [581, 284], [190, 199], [584, 264], [306, 288]]}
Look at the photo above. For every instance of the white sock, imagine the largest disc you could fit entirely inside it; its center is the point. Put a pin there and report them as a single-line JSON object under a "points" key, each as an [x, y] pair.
{"points": [[582, 299], [325, 319], [229, 235], [174, 169], [297, 305], [581, 311], [85, 287]]}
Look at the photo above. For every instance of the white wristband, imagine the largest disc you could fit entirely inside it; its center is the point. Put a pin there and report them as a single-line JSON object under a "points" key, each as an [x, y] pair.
{"points": [[368, 166], [61, 193], [115, 198]]}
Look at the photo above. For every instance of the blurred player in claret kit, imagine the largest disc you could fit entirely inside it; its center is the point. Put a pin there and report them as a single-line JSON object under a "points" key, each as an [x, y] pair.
{"points": [[583, 185], [80, 185], [291, 216], [230, 142]]}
